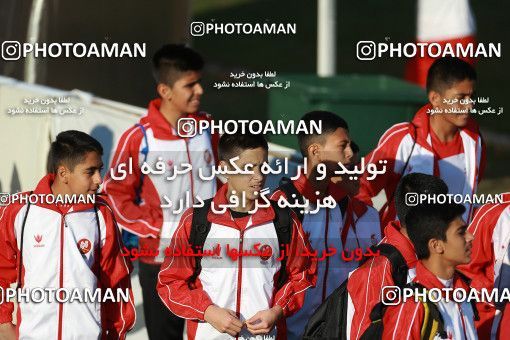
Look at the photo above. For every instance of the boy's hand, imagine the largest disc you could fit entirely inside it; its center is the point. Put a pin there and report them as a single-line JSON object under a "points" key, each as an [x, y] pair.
{"points": [[263, 321], [224, 320], [7, 331]]}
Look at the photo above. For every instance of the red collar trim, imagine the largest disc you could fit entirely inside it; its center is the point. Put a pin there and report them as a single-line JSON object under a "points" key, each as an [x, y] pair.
{"points": [[402, 243]]}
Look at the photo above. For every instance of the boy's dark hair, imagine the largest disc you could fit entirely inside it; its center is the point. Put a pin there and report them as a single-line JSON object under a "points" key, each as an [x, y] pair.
{"points": [[232, 145], [330, 122], [416, 183], [430, 221], [447, 71], [70, 148], [173, 59]]}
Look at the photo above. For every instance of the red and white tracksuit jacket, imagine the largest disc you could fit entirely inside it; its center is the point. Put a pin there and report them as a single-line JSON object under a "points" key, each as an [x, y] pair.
{"points": [[53, 258], [490, 261], [245, 286], [395, 146], [441, 22], [155, 225], [359, 228], [404, 321], [366, 282]]}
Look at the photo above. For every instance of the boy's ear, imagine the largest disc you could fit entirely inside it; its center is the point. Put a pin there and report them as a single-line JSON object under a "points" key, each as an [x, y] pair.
{"points": [[434, 98], [313, 150], [164, 91], [436, 246], [62, 174]]}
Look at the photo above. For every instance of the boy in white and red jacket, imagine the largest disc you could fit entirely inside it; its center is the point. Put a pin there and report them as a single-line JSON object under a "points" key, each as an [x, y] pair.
{"points": [[136, 198], [367, 281], [73, 247], [490, 265], [328, 227], [442, 243], [445, 144], [240, 297]]}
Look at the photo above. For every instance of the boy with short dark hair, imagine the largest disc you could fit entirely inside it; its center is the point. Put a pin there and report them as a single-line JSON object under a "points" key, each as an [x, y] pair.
{"points": [[136, 198], [445, 144], [248, 295], [442, 242], [327, 227], [72, 246], [379, 271]]}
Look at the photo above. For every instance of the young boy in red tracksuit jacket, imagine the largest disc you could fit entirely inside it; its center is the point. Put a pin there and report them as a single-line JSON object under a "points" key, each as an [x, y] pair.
{"points": [[490, 265], [137, 198], [335, 227], [73, 247], [442, 242], [366, 282], [238, 298], [444, 144]]}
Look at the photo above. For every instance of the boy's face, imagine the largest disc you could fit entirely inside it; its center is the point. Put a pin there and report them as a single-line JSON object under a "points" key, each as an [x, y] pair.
{"points": [[184, 95], [458, 244], [462, 90], [351, 186], [86, 175], [336, 148], [248, 183]]}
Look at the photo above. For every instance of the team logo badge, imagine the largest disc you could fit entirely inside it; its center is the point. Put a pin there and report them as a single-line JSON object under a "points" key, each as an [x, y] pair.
{"points": [[266, 252], [84, 246]]}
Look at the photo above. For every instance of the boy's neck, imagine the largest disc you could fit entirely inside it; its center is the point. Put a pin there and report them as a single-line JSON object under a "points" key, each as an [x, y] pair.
{"points": [[320, 186], [440, 269], [249, 204], [58, 188], [443, 129], [170, 115]]}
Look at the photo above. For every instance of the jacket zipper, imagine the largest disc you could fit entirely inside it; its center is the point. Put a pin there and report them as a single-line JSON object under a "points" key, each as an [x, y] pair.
{"points": [[186, 141], [61, 275], [239, 276], [324, 282]]}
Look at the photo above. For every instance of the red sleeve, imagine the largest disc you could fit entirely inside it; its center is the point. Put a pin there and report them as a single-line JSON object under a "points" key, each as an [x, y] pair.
{"points": [[172, 286], [301, 270], [483, 162], [117, 317], [139, 220], [364, 287], [386, 150], [403, 321], [8, 265]]}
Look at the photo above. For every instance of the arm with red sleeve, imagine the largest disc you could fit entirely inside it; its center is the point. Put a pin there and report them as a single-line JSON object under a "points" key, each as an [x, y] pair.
{"points": [[403, 321], [301, 270], [8, 260], [364, 287], [386, 150], [117, 317], [137, 219], [172, 284]]}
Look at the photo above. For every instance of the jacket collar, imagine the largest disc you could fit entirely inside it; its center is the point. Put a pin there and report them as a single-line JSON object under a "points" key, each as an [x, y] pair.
{"points": [[44, 188], [160, 126], [261, 216], [402, 243], [421, 121], [429, 280]]}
